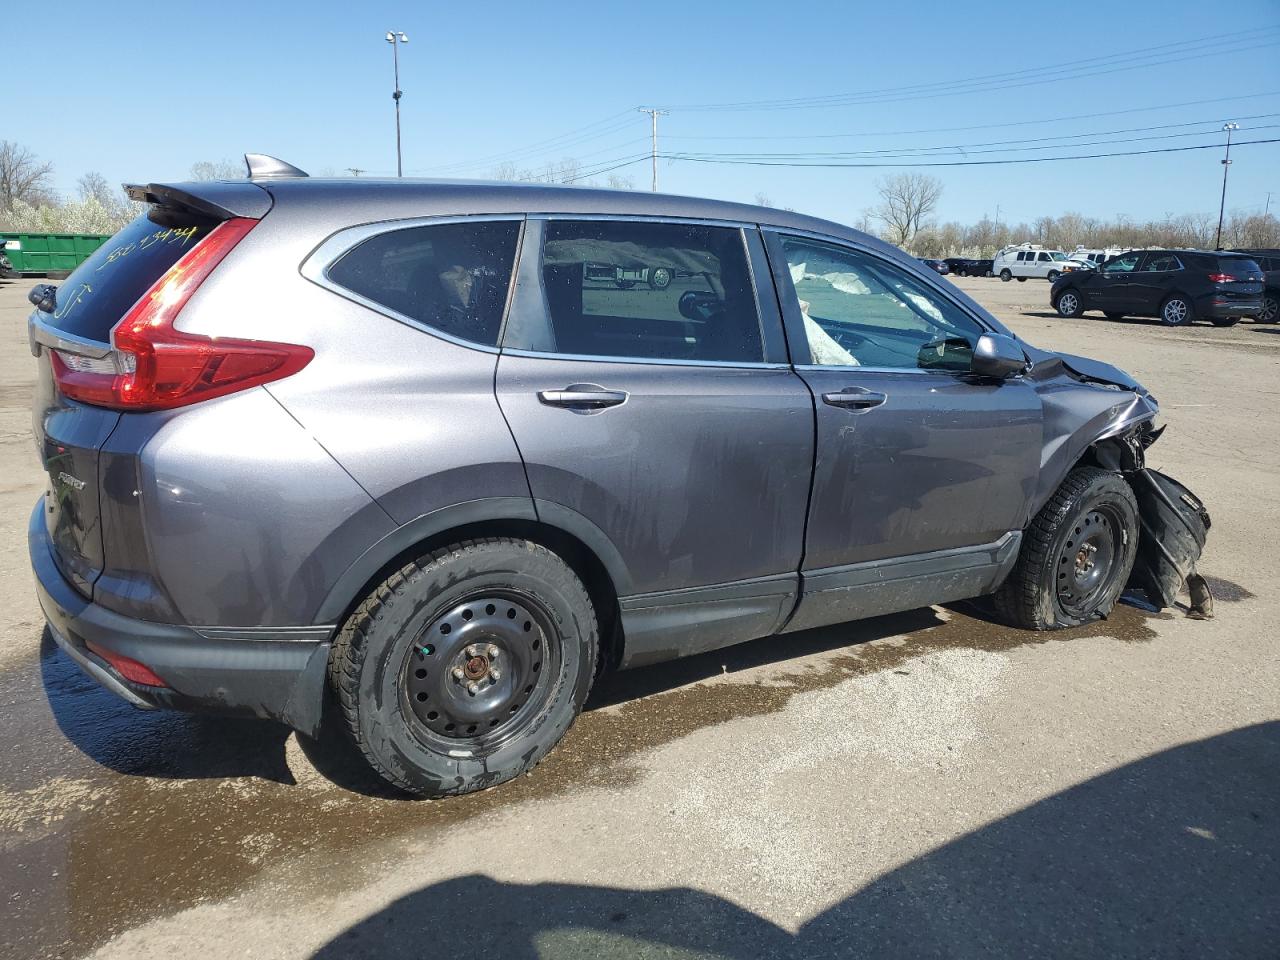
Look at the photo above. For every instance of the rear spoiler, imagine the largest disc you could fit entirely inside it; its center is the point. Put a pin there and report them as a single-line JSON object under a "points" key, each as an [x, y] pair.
{"points": [[217, 199]]}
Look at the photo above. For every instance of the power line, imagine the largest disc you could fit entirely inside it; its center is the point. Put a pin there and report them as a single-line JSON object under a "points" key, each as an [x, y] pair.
{"points": [[964, 163], [608, 169], [966, 149], [1077, 69], [978, 126]]}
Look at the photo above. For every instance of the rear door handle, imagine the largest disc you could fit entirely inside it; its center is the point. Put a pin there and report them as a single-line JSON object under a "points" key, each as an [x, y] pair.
{"points": [[855, 398], [582, 396]]}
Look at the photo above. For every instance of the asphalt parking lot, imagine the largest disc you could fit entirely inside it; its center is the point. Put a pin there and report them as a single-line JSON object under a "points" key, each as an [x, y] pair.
{"points": [[927, 784]]}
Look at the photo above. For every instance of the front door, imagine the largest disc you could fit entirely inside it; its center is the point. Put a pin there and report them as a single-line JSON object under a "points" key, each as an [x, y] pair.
{"points": [[1112, 286], [647, 389], [924, 475]]}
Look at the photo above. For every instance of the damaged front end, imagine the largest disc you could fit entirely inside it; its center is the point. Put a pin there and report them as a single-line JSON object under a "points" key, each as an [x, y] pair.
{"points": [[1095, 413]]}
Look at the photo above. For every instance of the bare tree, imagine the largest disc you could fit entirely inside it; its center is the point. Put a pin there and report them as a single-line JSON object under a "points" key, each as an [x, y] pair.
{"points": [[506, 170], [93, 185], [23, 178], [906, 199], [762, 200], [616, 182], [217, 170]]}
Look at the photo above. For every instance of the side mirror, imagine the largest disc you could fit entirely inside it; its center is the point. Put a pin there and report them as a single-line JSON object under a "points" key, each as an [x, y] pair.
{"points": [[997, 357]]}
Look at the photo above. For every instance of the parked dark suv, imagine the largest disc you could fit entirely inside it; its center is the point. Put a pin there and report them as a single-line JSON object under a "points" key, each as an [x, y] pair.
{"points": [[1269, 261], [408, 449], [1178, 286]]}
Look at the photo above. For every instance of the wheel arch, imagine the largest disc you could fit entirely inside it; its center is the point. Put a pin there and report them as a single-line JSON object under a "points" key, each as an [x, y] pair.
{"points": [[573, 537]]}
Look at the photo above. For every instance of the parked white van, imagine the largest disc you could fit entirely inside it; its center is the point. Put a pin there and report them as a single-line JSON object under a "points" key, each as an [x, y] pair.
{"points": [[1028, 260]]}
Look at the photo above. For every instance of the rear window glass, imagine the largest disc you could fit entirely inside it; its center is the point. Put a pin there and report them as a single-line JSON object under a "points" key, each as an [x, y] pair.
{"points": [[660, 291], [451, 277], [102, 289], [1239, 267]]}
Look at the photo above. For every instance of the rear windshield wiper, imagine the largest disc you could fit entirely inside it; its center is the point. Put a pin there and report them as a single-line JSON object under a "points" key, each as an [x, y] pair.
{"points": [[44, 296]]}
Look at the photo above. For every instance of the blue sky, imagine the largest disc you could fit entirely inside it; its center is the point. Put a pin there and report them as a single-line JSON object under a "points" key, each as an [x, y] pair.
{"points": [[141, 91]]}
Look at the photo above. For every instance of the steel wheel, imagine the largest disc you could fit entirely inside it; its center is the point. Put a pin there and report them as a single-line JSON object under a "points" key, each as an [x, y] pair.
{"points": [[1086, 562], [480, 671], [660, 278], [1176, 312]]}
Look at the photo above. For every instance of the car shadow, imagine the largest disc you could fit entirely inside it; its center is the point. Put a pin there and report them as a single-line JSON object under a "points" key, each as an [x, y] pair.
{"points": [[167, 744], [1175, 854]]}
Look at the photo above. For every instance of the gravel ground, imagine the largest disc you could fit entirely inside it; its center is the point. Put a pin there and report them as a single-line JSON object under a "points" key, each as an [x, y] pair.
{"points": [[927, 784]]}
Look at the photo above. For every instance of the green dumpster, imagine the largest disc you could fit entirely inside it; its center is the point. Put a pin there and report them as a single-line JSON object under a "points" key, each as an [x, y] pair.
{"points": [[49, 253]]}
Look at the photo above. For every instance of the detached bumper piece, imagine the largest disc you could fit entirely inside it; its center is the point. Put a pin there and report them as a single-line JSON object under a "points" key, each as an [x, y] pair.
{"points": [[1175, 525]]}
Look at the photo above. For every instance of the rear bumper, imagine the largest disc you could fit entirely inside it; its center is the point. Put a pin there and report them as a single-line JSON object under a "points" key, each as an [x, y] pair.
{"points": [[1209, 310], [274, 679]]}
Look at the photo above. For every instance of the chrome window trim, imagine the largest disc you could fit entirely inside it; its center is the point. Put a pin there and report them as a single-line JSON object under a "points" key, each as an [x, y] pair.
{"points": [[650, 361], [41, 333], [333, 248]]}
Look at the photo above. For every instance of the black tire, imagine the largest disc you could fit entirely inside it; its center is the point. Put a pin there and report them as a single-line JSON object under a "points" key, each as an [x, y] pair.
{"points": [[1069, 303], [399, 653], [1270, 308], [1115, 316], [1005, 275], [1054, 275], [1022, 279], [1056, 582], [1177, 311], [1224, 321], [659, 278]]}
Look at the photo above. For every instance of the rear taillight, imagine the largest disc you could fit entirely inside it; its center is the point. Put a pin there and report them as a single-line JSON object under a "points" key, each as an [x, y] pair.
{"points": [[156, 367], [127, 667], [1221, 278]]}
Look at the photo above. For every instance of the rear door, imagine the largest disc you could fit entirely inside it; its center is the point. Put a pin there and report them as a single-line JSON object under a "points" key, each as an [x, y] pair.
{"points": [[1155, 277], [76, 335], [661, 416]]}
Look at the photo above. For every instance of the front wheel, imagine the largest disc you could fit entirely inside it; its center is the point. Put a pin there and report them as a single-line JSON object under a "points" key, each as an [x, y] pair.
{"points": [[1069, 304], [1005, 275], [1176, 312], [1054, 275], [1075, 556], [464, 668]]}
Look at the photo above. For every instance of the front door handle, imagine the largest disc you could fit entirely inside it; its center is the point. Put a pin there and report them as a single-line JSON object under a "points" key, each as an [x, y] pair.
{"points": [[582, 396], [855, 398]]}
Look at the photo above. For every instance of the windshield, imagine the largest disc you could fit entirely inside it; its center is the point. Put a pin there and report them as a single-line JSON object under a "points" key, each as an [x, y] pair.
{"points": [[1055, 255]]}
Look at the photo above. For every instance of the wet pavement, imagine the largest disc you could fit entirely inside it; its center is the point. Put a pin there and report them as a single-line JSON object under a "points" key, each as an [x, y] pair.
{"points": [[765, 795]]}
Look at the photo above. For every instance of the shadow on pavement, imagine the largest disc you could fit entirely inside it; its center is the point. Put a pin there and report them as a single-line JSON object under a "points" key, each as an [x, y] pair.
{"points": [[1177, 854]]}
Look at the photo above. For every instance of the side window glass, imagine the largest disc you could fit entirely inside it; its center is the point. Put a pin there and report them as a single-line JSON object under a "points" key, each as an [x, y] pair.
{"points": [[662, 291], [859, 310], [1125, 264], [451, 277], [1043, 257], [1162, 264]]}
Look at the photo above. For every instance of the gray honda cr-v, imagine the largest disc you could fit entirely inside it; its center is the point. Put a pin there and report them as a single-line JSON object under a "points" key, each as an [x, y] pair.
{"points": [[433, 455]]}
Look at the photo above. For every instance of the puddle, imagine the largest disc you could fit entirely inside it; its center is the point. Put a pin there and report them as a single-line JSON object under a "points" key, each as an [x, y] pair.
{"points": [[153, 812]]}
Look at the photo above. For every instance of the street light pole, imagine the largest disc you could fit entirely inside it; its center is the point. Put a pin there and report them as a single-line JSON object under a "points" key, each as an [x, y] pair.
{"points": [[1226, 166], [396, 38]]}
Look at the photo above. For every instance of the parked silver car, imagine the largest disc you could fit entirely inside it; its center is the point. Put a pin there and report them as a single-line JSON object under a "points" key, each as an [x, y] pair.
{"points": [[390, 448]]}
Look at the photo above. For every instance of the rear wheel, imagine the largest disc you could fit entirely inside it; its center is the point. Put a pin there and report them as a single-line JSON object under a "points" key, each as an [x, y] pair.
{"points": [[1270, 308], [1176, 311], [1076, 555], [660, 278], [1069, 304], [463, 669], [1005, 275]]}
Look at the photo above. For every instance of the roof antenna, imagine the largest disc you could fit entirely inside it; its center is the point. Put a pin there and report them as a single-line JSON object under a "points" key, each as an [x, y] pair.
{"points": [[262, 167]]}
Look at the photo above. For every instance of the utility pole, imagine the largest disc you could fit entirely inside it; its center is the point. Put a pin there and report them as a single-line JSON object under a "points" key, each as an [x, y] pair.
{"points": [[396, 38], [1226, 165], [1267, 212], [653, 151]]}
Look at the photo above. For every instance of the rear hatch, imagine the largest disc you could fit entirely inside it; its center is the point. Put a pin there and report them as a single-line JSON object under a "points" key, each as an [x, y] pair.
{"points": [[1237, 279], [75, 335]]}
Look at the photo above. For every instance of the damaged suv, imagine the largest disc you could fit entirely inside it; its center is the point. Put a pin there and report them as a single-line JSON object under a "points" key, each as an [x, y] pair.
{"points": [[408, 452]]}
